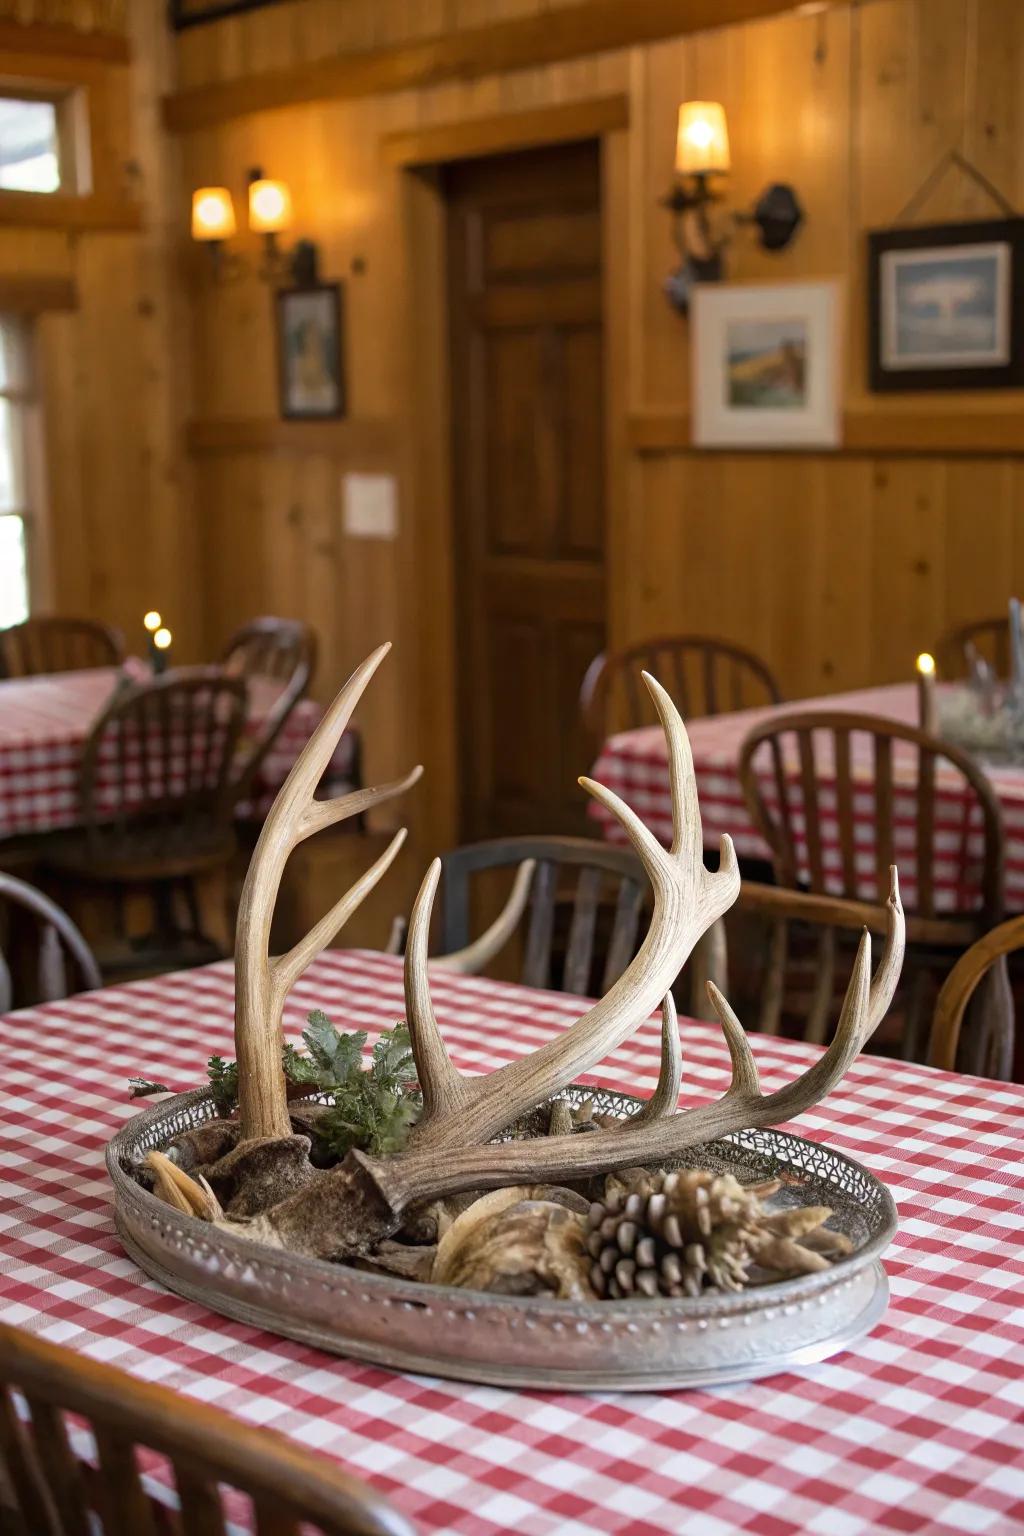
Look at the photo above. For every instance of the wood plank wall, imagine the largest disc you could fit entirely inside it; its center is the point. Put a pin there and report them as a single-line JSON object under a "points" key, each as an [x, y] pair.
{"points": [[116, 530], [837, 567]]}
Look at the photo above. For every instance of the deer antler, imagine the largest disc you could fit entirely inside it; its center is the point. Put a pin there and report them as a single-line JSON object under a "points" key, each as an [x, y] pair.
{"points": [[261, 982], [688, 898]]}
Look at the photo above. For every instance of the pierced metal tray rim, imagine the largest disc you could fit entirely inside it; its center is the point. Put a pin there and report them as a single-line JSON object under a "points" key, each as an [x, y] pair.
{"points": [[755, 1299]]}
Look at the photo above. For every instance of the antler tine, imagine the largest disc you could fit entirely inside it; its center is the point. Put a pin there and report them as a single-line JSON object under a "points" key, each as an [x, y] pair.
{"points": [[262, 984], [443, 1089], [665, 1098]]}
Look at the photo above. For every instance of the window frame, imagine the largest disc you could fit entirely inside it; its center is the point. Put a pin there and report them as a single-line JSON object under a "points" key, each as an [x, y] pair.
{"points": [[26, 425], [71, 121]]}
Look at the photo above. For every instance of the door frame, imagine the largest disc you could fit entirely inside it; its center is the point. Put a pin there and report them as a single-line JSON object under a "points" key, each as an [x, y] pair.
{"points": [[427, 566]]}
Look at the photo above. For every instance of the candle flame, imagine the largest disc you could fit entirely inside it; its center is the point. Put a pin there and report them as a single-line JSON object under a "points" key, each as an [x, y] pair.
{"points": [[152, 620], [162, 639], [926, 664]]}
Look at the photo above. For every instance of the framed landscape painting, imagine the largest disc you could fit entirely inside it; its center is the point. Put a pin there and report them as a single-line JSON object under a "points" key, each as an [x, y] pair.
{"points": [[946, 306], [765, 365]]}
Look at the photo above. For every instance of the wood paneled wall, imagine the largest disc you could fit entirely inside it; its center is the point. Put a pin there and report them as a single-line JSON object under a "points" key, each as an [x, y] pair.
{"points": [[116, 524], [837, 567]]}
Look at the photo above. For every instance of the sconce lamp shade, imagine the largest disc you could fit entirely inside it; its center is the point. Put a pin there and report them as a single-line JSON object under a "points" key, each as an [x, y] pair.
{"points": [[702, 141], [213, 214], [270, 206]]}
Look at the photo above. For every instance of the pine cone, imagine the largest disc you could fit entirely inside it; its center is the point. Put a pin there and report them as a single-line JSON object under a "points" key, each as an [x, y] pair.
{"points": [[678, 1234]]}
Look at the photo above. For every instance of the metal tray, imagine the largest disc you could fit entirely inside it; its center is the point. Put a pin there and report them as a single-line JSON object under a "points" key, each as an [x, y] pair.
{"points": [[528, 1342]]}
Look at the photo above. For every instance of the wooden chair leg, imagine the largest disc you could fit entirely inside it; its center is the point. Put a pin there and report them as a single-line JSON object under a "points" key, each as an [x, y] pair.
{"points": [[987, 1038], [709, 962], [918, 1015], [820, 1012], [774, 984], [211, 895]]}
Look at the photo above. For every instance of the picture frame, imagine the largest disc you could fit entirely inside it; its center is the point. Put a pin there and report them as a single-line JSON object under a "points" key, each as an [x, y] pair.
{"points": [[946, 306], [310, 352], [765, 365]]}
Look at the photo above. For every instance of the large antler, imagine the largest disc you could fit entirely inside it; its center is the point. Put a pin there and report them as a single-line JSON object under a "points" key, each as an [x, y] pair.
{"points": [[263, 983], [661, 1131], [688, 898]]}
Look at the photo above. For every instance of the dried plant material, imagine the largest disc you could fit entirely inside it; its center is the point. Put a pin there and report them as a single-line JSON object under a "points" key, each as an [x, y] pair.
{"points": [[515, 1244], [192, 1197], [680, 1234]]}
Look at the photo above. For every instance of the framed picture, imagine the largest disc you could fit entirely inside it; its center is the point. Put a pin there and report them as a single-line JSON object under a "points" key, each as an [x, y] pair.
{"points": [[765, 365], [309, 346], [946, 306]]}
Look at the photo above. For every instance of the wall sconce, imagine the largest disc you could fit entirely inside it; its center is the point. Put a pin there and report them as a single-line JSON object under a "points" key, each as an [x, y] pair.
{"points": [[270, 214], [702, 153]]}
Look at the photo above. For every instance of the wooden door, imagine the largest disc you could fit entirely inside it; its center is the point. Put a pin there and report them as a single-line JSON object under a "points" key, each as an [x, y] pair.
{"points": [[529, 479]]}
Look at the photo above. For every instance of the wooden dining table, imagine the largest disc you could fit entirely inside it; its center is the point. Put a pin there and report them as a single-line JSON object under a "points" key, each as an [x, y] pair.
{"points": [[918, 1427], [45, 722], [635, 764]]}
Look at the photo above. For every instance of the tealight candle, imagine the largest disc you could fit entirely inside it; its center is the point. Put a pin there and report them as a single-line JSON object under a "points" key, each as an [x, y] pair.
{"points": [[162, 638], [927, 711]]}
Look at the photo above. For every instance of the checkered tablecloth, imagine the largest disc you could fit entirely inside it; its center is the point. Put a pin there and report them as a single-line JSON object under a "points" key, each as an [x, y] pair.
{"points": [[44, 723], [635, 765], [920, 1427]]}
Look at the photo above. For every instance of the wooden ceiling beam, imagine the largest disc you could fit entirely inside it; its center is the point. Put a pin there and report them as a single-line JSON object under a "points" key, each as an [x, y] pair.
{"points": [[64, 42], [592, 26]]}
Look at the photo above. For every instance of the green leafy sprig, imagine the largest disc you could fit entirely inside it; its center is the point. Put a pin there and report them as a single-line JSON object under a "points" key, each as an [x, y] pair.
{"points": [[374, 1108]]}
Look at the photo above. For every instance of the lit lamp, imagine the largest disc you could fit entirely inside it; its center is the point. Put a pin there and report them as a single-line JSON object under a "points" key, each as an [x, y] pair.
{"points": [[702, 153], [270, 214], [927, 709], [161, 648]]}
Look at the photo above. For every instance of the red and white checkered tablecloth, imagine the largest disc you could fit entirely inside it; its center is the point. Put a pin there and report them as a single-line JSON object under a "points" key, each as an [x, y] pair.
{"points": [[919, 1427], [635, 765], [44, 723]]}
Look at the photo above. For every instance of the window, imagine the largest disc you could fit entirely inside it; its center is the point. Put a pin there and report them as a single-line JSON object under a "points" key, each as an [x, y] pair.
{"points": [[15, 428], [29, 145]]}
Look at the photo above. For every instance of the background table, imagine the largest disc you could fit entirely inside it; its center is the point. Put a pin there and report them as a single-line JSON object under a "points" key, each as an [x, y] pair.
{"points": [[920, 1427], [634, 764], [44, 722]]}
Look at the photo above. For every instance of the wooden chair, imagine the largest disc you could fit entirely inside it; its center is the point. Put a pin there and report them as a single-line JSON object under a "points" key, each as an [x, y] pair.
{"points": [[59, 1487], [986, 1051], [157, 789], [988, 639], [704, 676], [797, 821], [53, 644], [58, 942], [284, 651]]}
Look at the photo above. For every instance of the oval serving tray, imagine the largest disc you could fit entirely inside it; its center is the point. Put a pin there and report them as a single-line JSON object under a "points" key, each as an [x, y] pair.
{"points": [[530, 1342]]}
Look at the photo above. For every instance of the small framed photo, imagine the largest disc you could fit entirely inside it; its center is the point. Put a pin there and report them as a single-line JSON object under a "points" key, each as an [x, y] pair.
{"points": [[765, 365], [310, 352], [946, 306]]}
